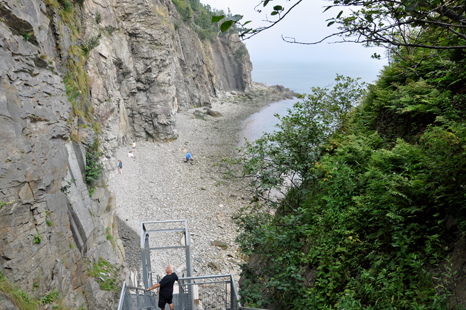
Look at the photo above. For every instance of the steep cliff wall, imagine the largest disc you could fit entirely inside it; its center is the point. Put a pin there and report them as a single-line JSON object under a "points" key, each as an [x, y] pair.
{"points": [[145, 71], [58, 92]]}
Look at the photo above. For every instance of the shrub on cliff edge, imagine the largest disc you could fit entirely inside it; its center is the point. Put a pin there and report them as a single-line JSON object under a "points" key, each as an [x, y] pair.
{"points": [[94, 167]]}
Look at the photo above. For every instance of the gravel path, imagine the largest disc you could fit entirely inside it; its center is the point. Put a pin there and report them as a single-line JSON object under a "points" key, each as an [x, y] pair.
{"points": [[157, 185]]}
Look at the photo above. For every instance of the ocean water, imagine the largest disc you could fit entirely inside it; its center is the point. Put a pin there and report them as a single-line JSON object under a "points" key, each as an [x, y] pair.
{"points": [[300, 78], [264, 120]]}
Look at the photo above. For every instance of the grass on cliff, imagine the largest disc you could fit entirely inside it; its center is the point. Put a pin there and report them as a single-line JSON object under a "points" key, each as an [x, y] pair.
{"points": [[106, 275], [17, 296], [22, 300], [76, 80], [2, 204], [199, 17]]}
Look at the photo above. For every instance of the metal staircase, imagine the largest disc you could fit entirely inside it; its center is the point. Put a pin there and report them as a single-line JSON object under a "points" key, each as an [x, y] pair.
{"points": [[214, 292]]}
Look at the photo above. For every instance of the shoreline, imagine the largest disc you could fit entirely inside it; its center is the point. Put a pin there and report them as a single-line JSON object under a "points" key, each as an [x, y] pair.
{"points": [[157, 185]]}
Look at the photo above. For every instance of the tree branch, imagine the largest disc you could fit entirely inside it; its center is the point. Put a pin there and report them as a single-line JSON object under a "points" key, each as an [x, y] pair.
{"points": [[274, 23], [399, 23]]}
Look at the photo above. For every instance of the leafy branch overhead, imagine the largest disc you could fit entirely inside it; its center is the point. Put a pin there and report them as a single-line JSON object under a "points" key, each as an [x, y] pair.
{"points": [[433, 24], [228, 22]]}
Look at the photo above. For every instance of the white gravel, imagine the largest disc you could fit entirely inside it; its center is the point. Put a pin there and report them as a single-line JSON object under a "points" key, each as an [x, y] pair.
{"points": [[158, 185]]}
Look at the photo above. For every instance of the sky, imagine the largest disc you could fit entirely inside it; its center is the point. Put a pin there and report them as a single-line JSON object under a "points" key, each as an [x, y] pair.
{"points": [[305, 23]]}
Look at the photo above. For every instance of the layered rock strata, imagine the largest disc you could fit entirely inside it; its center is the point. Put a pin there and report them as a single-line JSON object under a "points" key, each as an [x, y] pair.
{"points": [[46, 226], [145, 71], [58, 93]]}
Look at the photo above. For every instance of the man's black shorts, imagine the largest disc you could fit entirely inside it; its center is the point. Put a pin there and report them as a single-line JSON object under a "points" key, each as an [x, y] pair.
{"points": [[163, 300]]}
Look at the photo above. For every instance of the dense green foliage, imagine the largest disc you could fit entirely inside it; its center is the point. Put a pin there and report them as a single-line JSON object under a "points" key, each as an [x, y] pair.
{"points": [[368, 193], [199, 16], [94, 167]]}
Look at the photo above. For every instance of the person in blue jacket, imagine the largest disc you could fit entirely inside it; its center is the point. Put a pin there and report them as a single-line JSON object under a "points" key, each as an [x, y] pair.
{"points": [[120, 165], [188, 157]]}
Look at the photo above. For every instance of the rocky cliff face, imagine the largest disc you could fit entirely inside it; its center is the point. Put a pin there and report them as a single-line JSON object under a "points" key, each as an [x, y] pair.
{"points": [[57, 90], [145, 71]]}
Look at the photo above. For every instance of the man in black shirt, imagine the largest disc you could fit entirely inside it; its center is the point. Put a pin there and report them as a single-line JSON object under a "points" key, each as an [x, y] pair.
{"points": [[166, 288]]}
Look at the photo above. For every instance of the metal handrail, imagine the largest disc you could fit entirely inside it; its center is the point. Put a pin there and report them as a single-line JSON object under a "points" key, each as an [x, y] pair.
{"points": [[205, 277], [130, 300], [122, 296], [233, 299], [235, 291]]}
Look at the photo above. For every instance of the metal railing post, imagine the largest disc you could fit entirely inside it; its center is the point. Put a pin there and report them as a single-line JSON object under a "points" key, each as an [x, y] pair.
{"points": [[186, 285], [122, 296], [234, 294], [145, 257], [232, 282], [181, 296], [189, 269], [148, 263]]}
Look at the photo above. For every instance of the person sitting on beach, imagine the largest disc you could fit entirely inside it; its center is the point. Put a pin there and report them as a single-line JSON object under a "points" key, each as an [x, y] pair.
{"points": [[188, 157], [130, 154]]}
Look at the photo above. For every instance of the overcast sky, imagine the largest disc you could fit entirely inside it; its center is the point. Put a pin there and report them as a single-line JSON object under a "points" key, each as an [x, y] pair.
{"points": [[304, 23]]}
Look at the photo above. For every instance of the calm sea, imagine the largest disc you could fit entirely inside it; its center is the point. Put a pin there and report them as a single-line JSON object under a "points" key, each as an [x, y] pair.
{"points": [[300, 78]]}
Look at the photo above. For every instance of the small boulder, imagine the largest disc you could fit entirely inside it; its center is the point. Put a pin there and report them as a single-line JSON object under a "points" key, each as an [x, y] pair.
{"points": [[220, 244], [214, 113], [213, 266]]}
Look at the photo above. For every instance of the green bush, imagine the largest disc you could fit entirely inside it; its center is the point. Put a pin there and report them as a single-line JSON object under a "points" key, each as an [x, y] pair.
{"points": [[94, 167], [68, 6], [92, 43], [110, 30], [49, 298], [26, 36], [106, 275], [37, 238], [367, 192], [98, 17]]}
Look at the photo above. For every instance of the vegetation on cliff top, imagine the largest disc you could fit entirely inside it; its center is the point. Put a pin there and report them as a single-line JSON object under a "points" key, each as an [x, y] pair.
{"points": [[199, 16]]}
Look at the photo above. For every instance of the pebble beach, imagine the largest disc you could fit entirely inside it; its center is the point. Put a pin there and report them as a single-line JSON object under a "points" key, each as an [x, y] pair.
{"points": [[157, 185]]}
